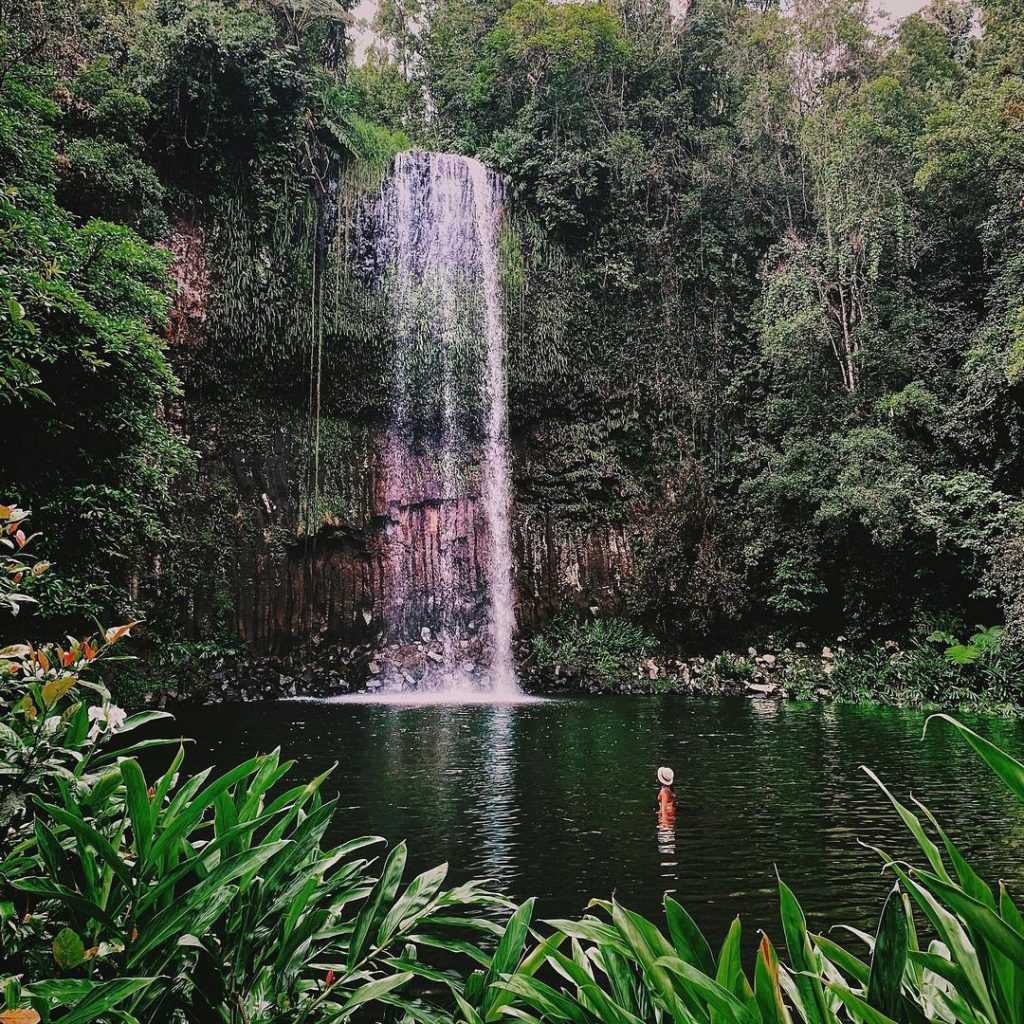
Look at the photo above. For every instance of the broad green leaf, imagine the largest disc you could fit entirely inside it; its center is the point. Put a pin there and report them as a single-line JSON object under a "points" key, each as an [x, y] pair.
{"points": [[370, 992], [985, 921], [841, 958], [889, 957], [730, 967], [102, 998], [68, 949], [1009, 769], [725, 1007], [767, 989], [549, 1002], [952, 933], [588, 992], [863, 1011], [46, 889], [139, 810], [649, 946], [804, 959], [969, 879], [930, 850], [590, 929], [509, 952], [376, 905], [416, 898], [190, 803], [91, 838], [688, 939]]}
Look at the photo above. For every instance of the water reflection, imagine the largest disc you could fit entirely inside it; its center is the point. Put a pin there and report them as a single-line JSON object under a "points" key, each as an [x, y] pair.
{"points": [[666, 833], [498, 822]]}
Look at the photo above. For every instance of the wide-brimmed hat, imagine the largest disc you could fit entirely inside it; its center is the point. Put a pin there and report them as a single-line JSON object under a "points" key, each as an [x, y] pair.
{"points": [[666, 776]]}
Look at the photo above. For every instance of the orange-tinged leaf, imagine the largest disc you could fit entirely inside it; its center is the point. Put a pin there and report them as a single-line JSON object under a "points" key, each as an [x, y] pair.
{"points": [[115, 633], [43, 660], [57, 688], [20, 1017]]}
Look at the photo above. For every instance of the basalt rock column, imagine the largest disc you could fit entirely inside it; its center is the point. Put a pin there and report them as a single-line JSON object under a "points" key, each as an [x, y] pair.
{"points": [[433, 235]]}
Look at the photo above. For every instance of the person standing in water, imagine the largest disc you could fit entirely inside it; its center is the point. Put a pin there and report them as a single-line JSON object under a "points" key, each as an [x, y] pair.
{"points": [[667, 829], [666, 795]]}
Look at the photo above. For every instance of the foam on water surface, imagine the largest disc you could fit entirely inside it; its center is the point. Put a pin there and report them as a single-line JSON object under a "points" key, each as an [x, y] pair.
{"points": [[453, 697]]}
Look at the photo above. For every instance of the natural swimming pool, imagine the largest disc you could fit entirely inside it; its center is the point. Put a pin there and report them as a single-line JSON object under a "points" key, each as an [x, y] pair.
{"points": [[557, 799]]}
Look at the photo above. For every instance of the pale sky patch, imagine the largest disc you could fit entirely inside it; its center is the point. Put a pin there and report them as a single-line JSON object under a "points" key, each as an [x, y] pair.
{"points": [[364, 11]]}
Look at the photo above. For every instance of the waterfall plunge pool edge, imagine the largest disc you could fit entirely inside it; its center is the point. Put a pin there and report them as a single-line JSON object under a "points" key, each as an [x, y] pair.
{"points": [[556, 799]]}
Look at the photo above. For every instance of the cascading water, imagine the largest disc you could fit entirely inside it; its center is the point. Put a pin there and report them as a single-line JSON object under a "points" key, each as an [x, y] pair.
{"points": [[435, 238]]}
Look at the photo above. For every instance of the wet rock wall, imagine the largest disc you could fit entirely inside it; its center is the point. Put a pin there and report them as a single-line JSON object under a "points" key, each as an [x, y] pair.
{"points": [[305, 564]]}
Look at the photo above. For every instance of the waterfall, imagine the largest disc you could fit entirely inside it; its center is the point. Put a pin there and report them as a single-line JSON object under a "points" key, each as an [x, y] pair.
{"points": [[434, 232], [496, 485]]}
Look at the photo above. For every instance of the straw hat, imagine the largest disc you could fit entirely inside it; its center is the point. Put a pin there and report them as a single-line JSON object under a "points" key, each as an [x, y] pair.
{"points": [[666, 776]]}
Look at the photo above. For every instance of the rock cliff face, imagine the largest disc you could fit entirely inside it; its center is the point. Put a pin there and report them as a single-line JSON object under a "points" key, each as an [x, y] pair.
{"points": [[319, 541], [323, 567]]}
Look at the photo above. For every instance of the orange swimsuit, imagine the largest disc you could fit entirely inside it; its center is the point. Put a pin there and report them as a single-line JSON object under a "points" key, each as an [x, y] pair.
{"points": [[666, 806]]}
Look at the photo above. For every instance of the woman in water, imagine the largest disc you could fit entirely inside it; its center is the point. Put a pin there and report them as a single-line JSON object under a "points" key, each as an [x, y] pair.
{"points": [[667, 827], [666, 795]]}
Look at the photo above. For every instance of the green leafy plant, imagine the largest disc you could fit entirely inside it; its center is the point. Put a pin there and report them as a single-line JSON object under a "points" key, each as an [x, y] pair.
{"points": [[606, 650], [54, 719], [985, 641], [181, 897], [216, 897]]}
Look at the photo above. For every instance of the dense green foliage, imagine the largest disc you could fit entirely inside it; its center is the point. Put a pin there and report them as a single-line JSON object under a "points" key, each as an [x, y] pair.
{"points": [[83, 372], [116, 120], [606, 650], [982, 675]]}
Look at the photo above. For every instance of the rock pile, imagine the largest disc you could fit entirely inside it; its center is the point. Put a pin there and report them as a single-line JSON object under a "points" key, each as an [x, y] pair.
{"points": [[754, 674], [330, 670], [429, 663]]}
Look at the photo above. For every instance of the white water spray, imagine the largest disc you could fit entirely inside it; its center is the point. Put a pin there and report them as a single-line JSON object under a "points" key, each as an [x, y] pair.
{"points": [[436, 236], [496, 485]]}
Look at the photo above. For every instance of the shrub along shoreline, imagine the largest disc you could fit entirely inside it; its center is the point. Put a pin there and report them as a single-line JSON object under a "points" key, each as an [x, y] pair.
{"points": [[983, 672], [185, 897]]}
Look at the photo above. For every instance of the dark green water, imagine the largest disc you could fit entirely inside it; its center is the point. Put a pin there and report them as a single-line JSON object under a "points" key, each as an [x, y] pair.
{"points": [[556, 800]]}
